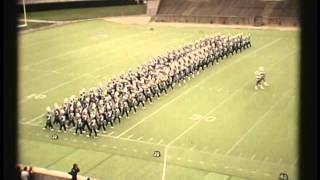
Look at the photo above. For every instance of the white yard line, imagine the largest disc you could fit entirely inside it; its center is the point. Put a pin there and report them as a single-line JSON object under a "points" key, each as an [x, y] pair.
{"points": [[154, 112], [79, 49], [102, 52], [68, 82], [160, 141], [171, 142], [183, 133], [255, 124], [68, 66], [34, 119], [80, 62], [54, 88]]}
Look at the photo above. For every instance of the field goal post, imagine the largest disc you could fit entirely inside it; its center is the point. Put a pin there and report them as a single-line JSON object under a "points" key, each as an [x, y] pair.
{"points": [[24, 15]]}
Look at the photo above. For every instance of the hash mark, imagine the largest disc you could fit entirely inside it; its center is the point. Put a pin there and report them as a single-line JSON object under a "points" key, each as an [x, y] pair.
{"points": [[130, 136], [192, 148], [253, 156], [160, 141], [140, 138]]}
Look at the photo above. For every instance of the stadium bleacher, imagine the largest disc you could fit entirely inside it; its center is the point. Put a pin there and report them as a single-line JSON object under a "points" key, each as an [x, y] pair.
{"points": [[272, 11]]}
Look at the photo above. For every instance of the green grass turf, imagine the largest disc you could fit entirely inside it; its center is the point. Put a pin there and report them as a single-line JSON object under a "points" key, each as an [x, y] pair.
{"points": [[86, 13], [217, 126]]}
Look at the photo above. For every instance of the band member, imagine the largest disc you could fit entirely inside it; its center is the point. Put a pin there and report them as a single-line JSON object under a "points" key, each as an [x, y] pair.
{"points": [[102, 123], [48, 119], [79, 124], [62, 121], [93, 127]]}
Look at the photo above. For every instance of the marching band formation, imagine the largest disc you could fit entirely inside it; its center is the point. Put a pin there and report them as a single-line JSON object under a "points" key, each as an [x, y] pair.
{"points": [[95, 109]]}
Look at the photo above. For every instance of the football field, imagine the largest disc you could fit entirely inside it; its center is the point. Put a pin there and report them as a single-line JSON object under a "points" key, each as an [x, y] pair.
{"points": [[216, 126]]}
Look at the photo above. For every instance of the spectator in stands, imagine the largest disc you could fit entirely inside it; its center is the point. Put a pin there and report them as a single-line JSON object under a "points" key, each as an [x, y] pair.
{"points": [[18, 170], [30, 173], [74, 171], [25, 174]]}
